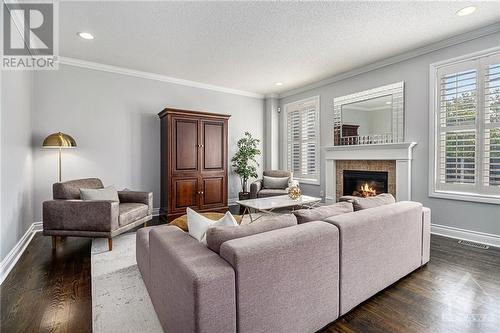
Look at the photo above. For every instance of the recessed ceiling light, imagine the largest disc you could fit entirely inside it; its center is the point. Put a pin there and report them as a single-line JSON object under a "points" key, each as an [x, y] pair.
{"points": [[466, 11], [278, 83], [388, 102], [85, 35]]}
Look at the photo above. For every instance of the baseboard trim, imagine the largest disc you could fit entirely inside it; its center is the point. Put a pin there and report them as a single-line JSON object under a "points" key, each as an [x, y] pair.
{"points": [[473, 236], [156, 212], [13, 256]]}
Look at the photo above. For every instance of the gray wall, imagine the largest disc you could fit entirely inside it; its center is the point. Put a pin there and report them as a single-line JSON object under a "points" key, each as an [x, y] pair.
{"points": [[415, 72], [114, 120], [16, 158]]}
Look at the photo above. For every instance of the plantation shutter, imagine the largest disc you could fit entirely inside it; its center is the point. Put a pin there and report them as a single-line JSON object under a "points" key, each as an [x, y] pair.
{"points": [[302, 139], [457, 127], [468, 127], [491, 158]]}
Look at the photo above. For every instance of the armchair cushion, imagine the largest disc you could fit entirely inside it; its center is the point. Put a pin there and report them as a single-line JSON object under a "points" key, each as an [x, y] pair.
{"points": [[107, 193], [71, 189], [80, 215], [130, 212], [145, 198], [276, 182]]}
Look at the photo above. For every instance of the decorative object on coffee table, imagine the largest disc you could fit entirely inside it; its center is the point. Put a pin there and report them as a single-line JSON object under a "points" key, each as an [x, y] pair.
{"points": [[268, 205], [294, 191], [59, 141]]}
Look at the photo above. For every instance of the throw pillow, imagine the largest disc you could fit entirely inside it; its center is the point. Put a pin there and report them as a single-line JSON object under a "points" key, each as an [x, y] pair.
{"points": [[181, 221], [108, 193], [360, 203], [275, 182], [199, 224], [321, 213], [217, 235]]}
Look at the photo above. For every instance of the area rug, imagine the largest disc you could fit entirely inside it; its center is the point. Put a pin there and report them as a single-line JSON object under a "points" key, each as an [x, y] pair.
{"points": [[120, 301]]}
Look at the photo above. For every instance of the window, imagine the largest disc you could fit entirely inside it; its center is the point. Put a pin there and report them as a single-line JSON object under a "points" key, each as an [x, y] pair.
{"points": [[302, 139], [465, 106]]}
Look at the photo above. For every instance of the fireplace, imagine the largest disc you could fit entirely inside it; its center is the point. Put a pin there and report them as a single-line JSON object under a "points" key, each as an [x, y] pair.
{"points": [[364, 183]]}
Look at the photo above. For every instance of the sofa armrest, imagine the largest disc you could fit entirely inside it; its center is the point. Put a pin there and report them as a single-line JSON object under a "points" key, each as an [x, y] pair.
{"points": [[192, 288], [137, 197], [378, 246], [426, 235], [299, 262], [255, 187], [81, 215]]}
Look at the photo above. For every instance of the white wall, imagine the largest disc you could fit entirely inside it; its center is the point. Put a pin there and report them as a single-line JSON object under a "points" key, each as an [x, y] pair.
{"points": [[16, 158], [415, 73], [113, 118]]}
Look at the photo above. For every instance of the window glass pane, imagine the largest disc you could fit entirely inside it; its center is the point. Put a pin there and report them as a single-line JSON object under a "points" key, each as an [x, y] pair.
{"points": [[458, 157], [458, 100], [492, 94]]}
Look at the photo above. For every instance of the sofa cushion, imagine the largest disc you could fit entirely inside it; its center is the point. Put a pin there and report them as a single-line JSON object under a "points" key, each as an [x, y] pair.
{"points": [[216, 235], [108, 193], [130, 212], [71, 189], [267, 192], [199, 224], [323, 212], [360, 203], [275, 182]]}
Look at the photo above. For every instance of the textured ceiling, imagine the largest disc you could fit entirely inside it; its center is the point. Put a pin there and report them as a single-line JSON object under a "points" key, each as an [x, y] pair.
{"points": [[251, 45]]}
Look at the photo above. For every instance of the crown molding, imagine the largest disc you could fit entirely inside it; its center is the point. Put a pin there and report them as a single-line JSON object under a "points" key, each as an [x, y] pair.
{"points": [[467, 36], [152, 76]]}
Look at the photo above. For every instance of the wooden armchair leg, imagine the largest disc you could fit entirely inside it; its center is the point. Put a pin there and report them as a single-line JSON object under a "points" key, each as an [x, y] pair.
{"points": [[110, 244], [54, 242]]}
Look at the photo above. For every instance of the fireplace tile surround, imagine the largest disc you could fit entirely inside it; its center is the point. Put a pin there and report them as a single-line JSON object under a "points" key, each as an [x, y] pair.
{"points": [[395, 158]]}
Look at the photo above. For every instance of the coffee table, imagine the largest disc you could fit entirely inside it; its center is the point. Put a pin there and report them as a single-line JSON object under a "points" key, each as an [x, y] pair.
{"points": [[269, 204]]}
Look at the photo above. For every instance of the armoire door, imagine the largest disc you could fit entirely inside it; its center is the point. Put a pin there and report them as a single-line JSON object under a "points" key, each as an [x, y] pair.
{"points": [[212, 192], [213, 145], [185, 193], [185, 145]]}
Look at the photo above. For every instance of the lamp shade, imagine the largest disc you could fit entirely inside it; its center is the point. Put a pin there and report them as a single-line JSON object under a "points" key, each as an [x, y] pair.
{"points": [[59, 140]]}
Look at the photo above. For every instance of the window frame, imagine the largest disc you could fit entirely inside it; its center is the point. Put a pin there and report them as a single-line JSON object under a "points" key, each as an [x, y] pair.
{"points": [[288, 108], [466, 192]]}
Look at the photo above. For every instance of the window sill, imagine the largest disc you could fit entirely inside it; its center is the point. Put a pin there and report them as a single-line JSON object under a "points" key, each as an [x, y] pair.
{"points": [[471, 197], [307, 181]]}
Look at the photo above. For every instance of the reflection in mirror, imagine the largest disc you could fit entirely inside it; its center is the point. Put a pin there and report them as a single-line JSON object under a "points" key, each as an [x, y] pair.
{"points": [[374, 116], [370, 117]]}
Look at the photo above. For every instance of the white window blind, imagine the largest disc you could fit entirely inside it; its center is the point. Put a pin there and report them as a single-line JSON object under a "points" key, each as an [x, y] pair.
{"points": [[467, 127], [302, 139]]}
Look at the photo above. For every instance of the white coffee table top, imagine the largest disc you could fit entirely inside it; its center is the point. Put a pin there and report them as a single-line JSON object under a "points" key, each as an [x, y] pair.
{"points": [[280, 201]]}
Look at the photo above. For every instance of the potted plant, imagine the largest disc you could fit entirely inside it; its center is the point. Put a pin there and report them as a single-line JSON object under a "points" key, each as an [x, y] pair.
{"points": [[244, 162]]}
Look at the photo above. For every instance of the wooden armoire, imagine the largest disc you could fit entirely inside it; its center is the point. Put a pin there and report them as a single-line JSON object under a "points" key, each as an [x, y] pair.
{"points": [[193, 162]]}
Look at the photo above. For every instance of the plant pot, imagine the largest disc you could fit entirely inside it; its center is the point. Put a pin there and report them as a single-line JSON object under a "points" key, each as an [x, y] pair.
{"points": [[243, 196]]}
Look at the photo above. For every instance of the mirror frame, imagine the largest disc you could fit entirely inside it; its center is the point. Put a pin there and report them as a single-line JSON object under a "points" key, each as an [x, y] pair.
{"points": [[397, 92]]}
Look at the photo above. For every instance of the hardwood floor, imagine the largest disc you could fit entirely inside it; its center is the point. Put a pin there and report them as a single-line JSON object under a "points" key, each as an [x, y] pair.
{"points": [[51, 292]]}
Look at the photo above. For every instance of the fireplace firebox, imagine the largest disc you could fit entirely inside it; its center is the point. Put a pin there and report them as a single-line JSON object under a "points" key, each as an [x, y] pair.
{"points": [[364, 183]]}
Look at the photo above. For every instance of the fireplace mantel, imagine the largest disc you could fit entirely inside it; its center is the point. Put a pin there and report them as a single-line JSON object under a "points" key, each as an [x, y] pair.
{"points": [[402, 153]]}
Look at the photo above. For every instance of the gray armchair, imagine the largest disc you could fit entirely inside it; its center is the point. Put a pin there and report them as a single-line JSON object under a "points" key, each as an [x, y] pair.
{"points": [[258, 189], [67, 215]]}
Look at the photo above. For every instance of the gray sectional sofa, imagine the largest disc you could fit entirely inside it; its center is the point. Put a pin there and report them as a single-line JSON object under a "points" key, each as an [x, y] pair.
{"points": [[294, 279]]}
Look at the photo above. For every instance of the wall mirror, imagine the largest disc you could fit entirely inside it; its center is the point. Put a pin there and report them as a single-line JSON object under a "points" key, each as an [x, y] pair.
{"points": [[374, 116]]}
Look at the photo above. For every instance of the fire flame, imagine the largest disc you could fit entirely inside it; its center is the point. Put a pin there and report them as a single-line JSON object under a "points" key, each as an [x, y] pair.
{"points": [[366, 191]]}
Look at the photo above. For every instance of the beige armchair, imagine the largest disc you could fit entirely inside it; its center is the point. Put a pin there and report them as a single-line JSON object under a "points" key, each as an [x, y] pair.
{"points": [[67, 215], [259, 190]]}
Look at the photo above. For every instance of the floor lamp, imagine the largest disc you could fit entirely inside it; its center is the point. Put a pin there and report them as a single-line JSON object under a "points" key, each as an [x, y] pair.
{"points": [[59, 141]]}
